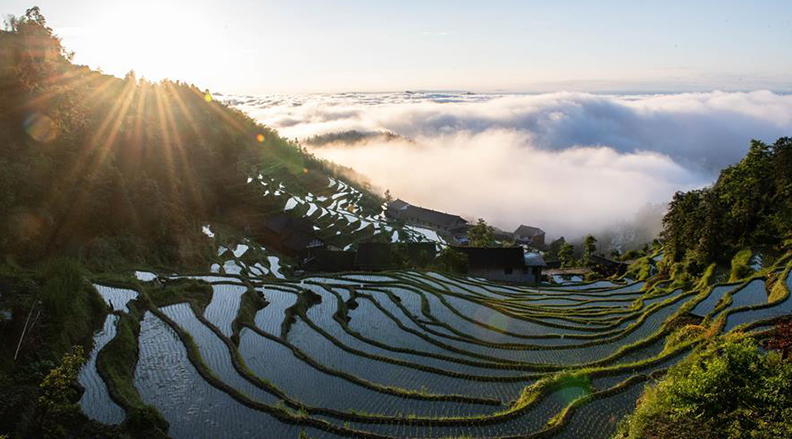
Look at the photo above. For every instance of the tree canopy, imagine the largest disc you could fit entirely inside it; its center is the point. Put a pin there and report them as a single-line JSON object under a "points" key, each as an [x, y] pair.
{"points": [[749, 206], [481, 235]]}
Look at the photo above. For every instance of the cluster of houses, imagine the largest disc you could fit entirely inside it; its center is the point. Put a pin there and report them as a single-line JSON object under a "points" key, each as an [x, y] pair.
{"points": [[371, 256], [521, 263], [454, 228], [509, 264]]}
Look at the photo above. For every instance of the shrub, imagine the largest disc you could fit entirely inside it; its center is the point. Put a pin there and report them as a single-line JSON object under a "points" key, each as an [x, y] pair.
{"points": [[72, 307], [57, 397], [62, 282], [729, 390], [147, 422], [741, 265], [450, 261]]}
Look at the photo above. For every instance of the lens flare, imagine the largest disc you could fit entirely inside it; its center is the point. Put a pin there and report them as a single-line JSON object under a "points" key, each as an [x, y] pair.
{"points": [[260, 138], [41, 128]]}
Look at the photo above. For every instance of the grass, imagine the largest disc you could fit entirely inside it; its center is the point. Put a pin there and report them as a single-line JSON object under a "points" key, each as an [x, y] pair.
{"points": [[72, 309], [179, 291], [116, 362], [252, 301], [741, 265]]}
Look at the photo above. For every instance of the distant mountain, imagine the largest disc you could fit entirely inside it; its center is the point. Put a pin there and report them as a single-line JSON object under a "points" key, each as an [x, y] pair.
{"points": [[352, 137]]}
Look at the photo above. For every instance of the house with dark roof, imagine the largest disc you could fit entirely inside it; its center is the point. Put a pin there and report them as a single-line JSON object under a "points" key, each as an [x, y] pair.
{"points": [[608, 267], [374, 256], [528, 235], [292, 236], [508, 264], [419, 216], [330, 261], [378, 256]]}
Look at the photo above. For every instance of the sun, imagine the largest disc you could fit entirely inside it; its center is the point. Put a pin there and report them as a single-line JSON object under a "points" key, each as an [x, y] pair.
{"points": [[156, 39]]}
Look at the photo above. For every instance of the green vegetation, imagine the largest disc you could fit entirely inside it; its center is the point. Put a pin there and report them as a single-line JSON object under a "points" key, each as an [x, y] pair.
{"points": [[449, 260], [750, 206], [181, 290], [589, 249], [641, 269], [566, 254], [730, 389], [57, 395], [481, 235], [741, 265]]}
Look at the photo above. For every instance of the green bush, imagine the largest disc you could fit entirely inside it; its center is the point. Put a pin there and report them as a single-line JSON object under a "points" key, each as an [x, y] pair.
{"points": [[728, 390], [63, 282], [72, 309], [741, 265], [147, 422], [450, 261]]}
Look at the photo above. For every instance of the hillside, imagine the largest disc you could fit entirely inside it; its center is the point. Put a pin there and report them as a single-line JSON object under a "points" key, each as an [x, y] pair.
{"points": [[125, 171], [749, 206]]}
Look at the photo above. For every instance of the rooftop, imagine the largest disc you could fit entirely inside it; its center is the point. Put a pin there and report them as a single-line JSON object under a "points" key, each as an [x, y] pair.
{"points": [[524, 230], [494, 257], [401, 208]]}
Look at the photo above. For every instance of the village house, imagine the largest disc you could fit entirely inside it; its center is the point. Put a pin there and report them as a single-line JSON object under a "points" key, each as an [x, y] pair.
{"points": [[372, 256], [508, 264], [419, 216], [330, 261], [528, 235], [376, 256], [289, 235]]}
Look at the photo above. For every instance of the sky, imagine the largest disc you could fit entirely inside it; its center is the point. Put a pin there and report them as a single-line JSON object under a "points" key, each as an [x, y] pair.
{"points": [[305, 46]]}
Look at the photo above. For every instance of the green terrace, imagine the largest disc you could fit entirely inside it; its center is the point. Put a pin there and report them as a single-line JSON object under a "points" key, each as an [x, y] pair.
{"points": [[400, 354]]}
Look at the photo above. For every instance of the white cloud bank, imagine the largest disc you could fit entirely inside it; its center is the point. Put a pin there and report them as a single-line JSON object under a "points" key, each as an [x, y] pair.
{"points": [[571, 163]]}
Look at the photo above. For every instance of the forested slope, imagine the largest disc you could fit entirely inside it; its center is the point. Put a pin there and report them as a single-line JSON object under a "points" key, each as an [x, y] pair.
{"points": [[749, 206], [106, 168]]}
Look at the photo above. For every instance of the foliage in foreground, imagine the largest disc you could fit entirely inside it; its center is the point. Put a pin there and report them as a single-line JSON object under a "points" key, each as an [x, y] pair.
{"points": [[728, 390]]}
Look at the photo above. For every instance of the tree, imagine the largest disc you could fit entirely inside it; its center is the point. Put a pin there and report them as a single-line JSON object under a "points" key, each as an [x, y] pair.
{"points": [[589, 248], [481, 235], [56, 399], [555, 247], [782, 340], [567, 255], [451, 261], [749, 206], [388, 196]]}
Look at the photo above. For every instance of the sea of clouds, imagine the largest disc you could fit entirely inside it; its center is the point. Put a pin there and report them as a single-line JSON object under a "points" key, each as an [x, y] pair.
{"points": [[571, 163]]}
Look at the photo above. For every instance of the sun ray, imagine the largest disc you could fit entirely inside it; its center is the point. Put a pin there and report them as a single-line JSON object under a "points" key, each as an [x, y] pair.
{"points": [[182, 160], [168, 153], [84, 168]]}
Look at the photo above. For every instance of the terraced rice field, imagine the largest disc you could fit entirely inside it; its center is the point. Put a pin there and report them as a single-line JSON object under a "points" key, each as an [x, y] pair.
{"points": [[408, 354]]}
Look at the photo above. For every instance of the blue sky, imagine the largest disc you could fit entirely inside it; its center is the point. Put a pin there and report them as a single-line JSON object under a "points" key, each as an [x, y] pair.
{"points": [[280, 46]]}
